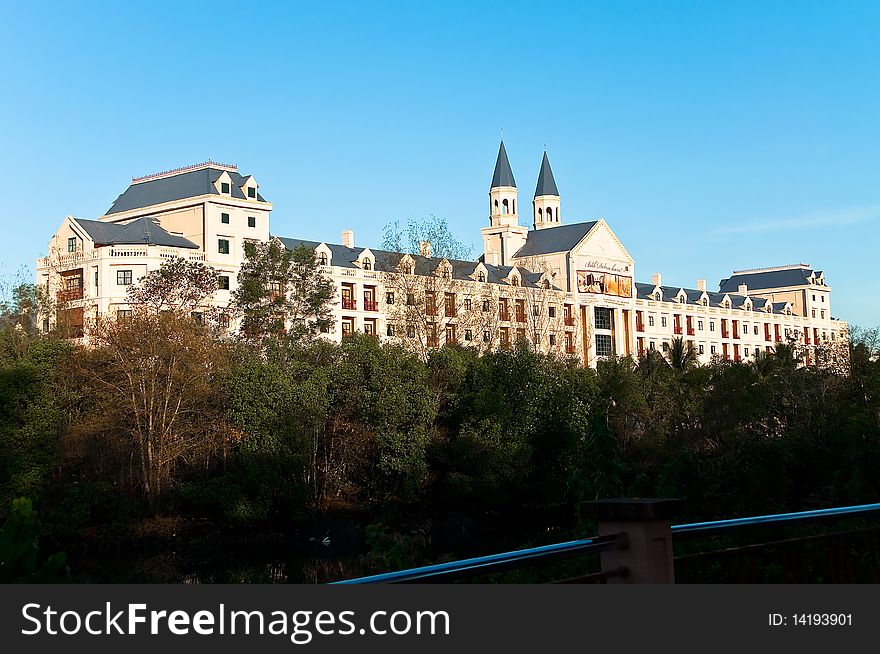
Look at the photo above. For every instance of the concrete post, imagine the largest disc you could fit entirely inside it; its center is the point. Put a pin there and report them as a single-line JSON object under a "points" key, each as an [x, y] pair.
{"points": [[646, 523]]}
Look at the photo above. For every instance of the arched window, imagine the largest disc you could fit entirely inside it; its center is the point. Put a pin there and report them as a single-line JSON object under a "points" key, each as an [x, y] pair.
{"points": [[322, 258], [547, 284], [514, 281], [549, 215], [514, 206], [368, 265], [506, 207], [496, 206], [540, 213]]}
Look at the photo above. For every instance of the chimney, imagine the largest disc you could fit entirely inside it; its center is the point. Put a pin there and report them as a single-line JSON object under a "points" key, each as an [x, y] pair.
{"points": [[425, 248], [348, 238], [701, 284], [656, 279], [743, 289]]}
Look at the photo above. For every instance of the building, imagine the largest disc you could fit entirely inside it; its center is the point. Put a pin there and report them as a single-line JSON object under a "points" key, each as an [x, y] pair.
{"points": [[568, 289]]}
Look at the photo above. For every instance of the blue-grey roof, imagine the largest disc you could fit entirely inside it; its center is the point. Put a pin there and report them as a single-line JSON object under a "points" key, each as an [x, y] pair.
{"points": [[546, 183], [189, 184], [142, 231], [554, 239], [503, 174], [388, 261], [795, 276]]}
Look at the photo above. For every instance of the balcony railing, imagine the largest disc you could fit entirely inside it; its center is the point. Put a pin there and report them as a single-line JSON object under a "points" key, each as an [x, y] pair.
{"points": [[640, 326], [371, 305], [520, 316], [449, 312], [690, 331], [569, 321], [70, 294], [349, 304], [677, 329], [503, 315]]}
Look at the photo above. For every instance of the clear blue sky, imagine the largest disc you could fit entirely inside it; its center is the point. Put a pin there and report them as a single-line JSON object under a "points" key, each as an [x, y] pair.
{"points": [[711, 136]]}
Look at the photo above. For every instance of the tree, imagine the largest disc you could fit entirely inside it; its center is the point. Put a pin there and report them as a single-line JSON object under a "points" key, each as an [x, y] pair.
{"points": [[282, 291], [435, 230], [682, 355], [181, 286], [153, 381]]}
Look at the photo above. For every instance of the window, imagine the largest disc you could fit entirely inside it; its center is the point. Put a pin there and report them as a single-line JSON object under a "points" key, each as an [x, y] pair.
{"points": [[756, 330], [71, 244], [123, 277], [224, 188], [123, 314], [712, 350], [702, 348], [468, 305], [603, 345], [252, 192], [665, 346], [814, 313], [652, 345], [468, 335], [368, 265], [486, 305], [650, 321], [389, 298], [223, 282], [603, 318], [551, 312], [322, 258], [823, 298], [822, 313], [410, 300], [814, 297], [746, 351], [198, 317], [252, 221], [223, 245], [481, 277], [711, 325], [389, 330], [96, 278], [552, 339], [700, 325], [486, 337], [224, 218], [663, 321], [410, 331]]}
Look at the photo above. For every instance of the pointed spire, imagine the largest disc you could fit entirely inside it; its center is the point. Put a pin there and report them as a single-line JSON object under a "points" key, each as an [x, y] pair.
{"points": [[503, 175], [546, 183]]}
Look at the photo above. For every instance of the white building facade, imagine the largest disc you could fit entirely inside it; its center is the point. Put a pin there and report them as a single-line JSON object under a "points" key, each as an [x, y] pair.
{"points": [[567, 289]]}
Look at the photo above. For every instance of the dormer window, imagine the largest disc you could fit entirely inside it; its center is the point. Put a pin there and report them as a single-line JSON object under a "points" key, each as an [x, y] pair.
{"points": [[71, 244], [514, 281], [481, 277], [322, 258], [367, 264], [252, 192], [224, 188]]}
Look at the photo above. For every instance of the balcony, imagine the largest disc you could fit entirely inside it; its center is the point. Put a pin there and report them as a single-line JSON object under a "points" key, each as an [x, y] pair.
{"points": [[640, 326], [503, 315], [520, 316], [371, 305], [433, 341], [349, 304], [569, 348], [690, 331], [70, 294], [449, 312], [569, 321], [677, 329]]}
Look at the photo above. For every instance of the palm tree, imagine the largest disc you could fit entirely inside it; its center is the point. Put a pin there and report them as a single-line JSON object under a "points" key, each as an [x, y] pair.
{"points": [[682, 355]]}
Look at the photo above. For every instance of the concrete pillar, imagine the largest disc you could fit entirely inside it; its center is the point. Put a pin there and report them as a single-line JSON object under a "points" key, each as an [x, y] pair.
{"points": [[646, 523]]}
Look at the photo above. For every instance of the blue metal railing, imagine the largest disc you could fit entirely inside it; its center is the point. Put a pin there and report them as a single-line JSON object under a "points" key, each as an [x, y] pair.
{"points": [[518, 558], [718, 526], [494, 562]]}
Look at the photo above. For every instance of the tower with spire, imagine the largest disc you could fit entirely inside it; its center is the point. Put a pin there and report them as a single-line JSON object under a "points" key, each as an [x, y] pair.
{"points": [[545, 206], [504, 236]]}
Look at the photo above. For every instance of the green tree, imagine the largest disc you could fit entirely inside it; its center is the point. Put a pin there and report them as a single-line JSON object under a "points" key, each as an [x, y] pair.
{"points": [[282, 291]]}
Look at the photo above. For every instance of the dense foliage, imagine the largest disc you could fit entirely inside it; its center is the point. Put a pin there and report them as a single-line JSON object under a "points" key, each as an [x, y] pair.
{"points": [[163, 418]]}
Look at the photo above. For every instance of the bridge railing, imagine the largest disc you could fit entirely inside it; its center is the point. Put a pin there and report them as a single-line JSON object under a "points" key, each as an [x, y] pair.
{"points": [[635, 543]]}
